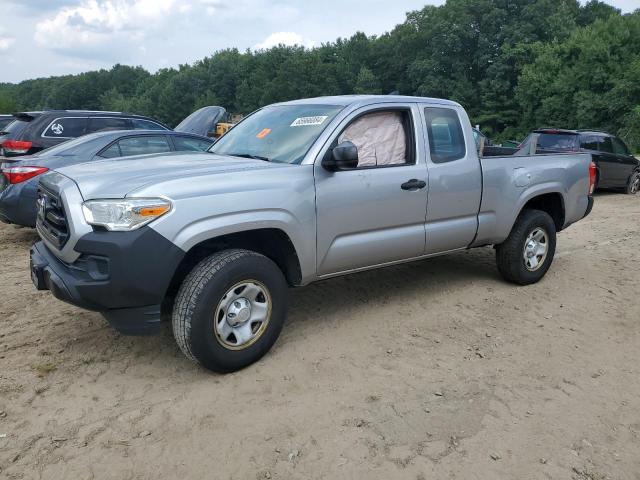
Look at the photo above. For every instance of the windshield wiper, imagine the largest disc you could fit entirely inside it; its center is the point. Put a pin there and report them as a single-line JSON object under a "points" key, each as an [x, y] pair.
{"points": [[248, 155]]}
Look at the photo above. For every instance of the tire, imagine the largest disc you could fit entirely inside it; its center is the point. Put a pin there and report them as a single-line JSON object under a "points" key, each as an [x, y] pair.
{"points": [[212, 294], [510, 255], [633, 186]]}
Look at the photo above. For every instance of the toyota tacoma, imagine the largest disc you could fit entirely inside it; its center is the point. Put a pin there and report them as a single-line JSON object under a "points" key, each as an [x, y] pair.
{"points": [[297, 192]]}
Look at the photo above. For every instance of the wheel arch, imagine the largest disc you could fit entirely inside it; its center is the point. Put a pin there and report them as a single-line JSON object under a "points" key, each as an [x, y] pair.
{"points": [[549, 202], [273, 243], [634, 173]]}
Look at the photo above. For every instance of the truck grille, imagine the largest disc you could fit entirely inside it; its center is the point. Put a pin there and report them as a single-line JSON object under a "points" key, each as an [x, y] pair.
{"points": [[52, 220]]}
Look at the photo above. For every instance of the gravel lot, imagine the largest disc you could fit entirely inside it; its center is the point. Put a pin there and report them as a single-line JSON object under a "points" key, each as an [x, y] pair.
{"points": [[431, 370]]}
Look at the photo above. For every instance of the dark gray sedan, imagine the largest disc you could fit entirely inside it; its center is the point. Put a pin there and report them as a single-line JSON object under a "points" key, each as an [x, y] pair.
{"points": [[19, 179]]}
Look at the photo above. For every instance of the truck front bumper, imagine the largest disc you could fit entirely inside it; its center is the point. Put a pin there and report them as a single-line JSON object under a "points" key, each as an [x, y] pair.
{"points": [[123, 275]]}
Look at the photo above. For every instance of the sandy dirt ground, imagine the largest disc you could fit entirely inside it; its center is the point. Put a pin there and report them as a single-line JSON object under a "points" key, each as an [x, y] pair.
{"points": [[433, 370]]}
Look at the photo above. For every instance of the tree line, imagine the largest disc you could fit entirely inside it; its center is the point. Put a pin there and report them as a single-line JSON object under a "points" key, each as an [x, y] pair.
{"points": [[513, 64]]}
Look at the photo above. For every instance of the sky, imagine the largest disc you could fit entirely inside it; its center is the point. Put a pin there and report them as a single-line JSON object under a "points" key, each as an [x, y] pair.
{"points": [[41, 38]]}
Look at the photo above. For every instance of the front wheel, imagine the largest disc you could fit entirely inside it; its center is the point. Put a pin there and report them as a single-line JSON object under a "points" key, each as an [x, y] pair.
{"points": [[633, 186], [526, 255], [230, 310]]}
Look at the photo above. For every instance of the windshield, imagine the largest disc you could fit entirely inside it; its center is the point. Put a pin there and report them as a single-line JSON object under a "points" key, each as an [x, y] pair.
{"points": [[280, 133]]}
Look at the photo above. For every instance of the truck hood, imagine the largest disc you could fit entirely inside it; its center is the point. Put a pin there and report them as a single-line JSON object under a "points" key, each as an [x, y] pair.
{"points": [[119, 177]]}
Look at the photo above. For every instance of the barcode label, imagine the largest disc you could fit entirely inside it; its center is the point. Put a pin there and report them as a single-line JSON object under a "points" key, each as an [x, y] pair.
{"points": [[307, 121]]}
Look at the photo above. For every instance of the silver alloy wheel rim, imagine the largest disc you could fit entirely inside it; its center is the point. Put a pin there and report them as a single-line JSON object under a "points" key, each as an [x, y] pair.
{"points": [[242, 315], [535, 249], [635, 185]]}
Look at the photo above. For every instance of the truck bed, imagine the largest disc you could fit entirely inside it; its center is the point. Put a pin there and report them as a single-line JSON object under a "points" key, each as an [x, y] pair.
{"points": [[509, 181]]}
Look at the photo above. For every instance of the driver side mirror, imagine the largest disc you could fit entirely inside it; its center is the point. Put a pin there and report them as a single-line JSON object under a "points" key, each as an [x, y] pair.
{"points": [[343, 156]]}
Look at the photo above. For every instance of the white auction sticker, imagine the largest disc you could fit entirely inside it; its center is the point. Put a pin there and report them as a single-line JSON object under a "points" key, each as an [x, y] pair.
{"points": [[307, 121]]}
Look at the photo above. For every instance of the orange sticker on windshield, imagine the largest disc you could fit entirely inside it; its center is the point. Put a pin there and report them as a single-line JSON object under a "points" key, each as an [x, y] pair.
{"points": [[264, 133]]}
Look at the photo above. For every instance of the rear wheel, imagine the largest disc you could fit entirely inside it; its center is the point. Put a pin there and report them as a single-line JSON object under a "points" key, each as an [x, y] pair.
{"points": [[526, 255], [230, 310], [633, 186]]}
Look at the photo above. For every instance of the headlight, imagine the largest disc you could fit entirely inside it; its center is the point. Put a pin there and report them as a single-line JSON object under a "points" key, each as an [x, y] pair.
{"points": [[124, 214]]}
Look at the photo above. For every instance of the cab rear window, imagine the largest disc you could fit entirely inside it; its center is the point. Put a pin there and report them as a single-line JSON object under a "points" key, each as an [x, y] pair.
{"points": [[446, 140]]}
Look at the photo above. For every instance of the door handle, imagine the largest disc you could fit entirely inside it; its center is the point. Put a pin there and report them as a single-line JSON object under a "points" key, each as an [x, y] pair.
{"points": [[413, 184]]}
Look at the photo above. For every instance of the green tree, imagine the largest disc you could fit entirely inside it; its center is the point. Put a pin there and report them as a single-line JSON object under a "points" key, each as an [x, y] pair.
{"points": [[115, 101], [7, 104], [590, 80], [595, 10], [630, 131], [513, 64], [366, 82]]}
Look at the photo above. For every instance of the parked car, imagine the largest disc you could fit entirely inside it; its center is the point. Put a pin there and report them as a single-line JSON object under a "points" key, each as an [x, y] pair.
{"points": [[19, 179], [204, 121], [5, 120], [300, 191], [616, 166], [32, 132], [14, 128]]}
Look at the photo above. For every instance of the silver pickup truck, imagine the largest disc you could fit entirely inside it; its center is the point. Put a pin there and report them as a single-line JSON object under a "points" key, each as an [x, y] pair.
{"points": [[297, 192]]}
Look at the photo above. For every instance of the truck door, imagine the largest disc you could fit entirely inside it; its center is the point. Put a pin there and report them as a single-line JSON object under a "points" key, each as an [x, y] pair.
{"points": [[455, 180], [373, 214]]}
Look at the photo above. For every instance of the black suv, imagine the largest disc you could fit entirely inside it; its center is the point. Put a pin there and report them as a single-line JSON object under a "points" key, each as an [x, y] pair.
{"points": [[31, 132], [616, 167]]}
